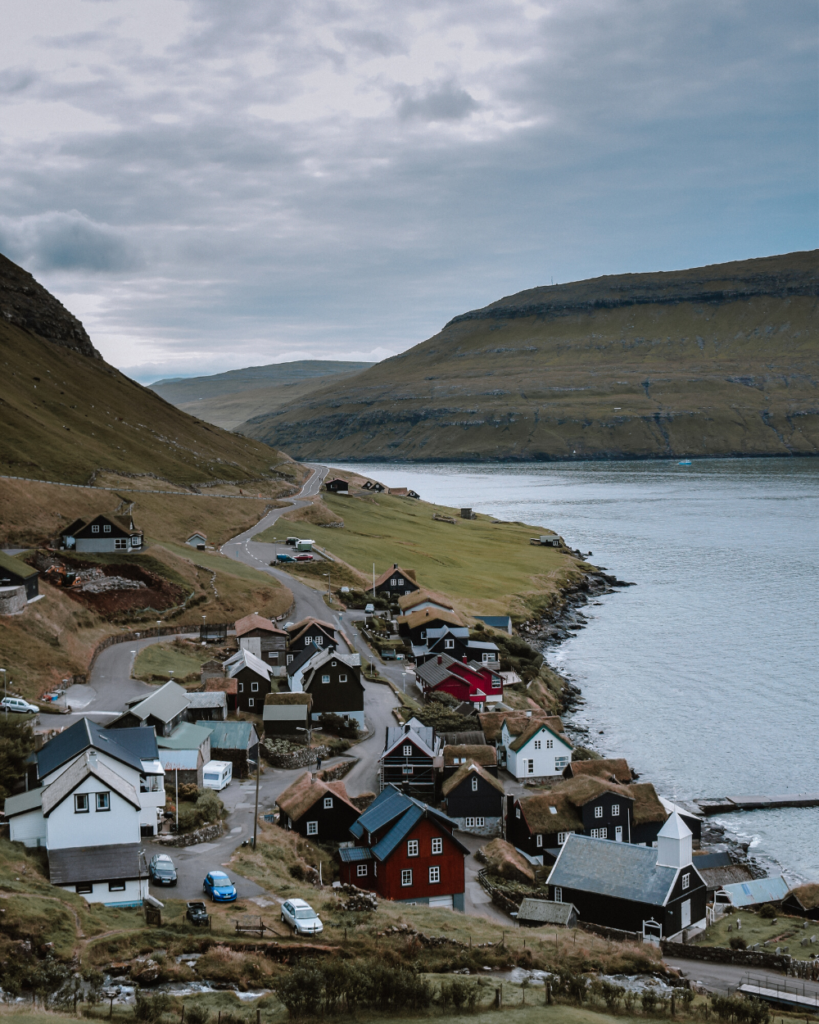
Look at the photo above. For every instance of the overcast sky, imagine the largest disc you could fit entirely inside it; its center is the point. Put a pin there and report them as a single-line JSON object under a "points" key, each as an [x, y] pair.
{"points": [[213, 184]]}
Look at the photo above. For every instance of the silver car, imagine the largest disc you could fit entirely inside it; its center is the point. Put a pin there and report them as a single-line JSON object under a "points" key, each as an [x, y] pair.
{"points": [[301, 917], [17, 704]]}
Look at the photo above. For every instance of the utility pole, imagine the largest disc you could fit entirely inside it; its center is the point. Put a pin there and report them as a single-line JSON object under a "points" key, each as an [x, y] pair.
{"points": [[5, 692], [256, 812], [176, 797]]}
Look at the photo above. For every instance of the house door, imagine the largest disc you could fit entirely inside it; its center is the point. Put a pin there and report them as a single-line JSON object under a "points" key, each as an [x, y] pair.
{"points": [[442, 902], [618, 834], [685, 915], [530, 767]]}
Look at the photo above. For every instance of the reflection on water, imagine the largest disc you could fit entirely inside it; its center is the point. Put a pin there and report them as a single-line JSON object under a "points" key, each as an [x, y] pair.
{"points": [[704, 675]]}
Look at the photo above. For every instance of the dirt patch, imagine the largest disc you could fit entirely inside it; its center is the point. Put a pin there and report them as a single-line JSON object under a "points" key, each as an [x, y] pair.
{"points": [[112, 587]]}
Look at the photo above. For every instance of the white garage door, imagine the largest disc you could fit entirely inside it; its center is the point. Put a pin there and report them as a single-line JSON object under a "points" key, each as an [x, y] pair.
{"points": [[441, 901]]}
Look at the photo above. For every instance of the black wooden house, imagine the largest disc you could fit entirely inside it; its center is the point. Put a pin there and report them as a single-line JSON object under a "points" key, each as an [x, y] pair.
{"points": [[319, 811], [474, 799], [333, 681], [14, 573], [311, 631], [412, 759], [395, 583]]}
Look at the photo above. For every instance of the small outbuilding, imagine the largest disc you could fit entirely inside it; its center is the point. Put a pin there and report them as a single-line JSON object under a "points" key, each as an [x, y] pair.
{"points": [[802, 901], [197, 540], [236, 742], [535, 913], [754, 892], [287, 714], [338, 486], [14, 573]]}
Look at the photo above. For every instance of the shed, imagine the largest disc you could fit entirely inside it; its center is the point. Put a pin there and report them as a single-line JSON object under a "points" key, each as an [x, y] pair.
{"points": [[209, 704], [535, 913], [803, 901], [754, 892], [287, 714], [183, 766], [236, 742], [197, 540], [501, 622], [14, 573], [229, 686]]}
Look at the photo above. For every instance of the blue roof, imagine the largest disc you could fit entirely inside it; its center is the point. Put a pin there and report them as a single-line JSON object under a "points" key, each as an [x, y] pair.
{"points": [[503, 622], [228, 735], [391, 805], [405, 823], [758, 890], [351, 854], [622, 870], [387, 806], [130, 746]]}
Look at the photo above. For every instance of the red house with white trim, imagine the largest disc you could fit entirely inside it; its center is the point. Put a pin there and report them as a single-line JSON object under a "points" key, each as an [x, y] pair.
{"points": [[405, 851], [465, 681]]}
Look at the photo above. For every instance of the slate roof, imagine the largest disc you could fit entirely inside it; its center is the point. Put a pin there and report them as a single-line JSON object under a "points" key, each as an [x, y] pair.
{"points": [[130, 746], [251, 622], [94, 863], [301, 657], [546, 911], [621, 870], [23, 802], [230, 735], [208, 699], [467, 771], [186, 736], [76, 774], [423, 736], [391, 805], [245, 659], [9, 563], [169, 701]]}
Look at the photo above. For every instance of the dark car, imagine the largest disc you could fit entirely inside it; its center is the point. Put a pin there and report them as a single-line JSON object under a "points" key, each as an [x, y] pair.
{"points": [[197, 913], [162, 870]]}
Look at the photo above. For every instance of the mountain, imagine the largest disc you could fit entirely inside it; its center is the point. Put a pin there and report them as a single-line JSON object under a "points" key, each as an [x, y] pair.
{"points": [[67, 415], [718, 360], [228, 399]]}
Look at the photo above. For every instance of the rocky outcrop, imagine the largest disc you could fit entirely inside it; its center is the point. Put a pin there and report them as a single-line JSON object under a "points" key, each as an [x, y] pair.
{"points": [[25, 303]]}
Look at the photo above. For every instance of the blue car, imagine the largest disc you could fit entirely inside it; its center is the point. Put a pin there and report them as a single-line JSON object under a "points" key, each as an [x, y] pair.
{"points": [[219, 887]]}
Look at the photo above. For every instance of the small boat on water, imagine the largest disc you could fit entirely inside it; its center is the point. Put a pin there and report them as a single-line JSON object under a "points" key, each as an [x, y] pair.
{"points": [[685, 462]]}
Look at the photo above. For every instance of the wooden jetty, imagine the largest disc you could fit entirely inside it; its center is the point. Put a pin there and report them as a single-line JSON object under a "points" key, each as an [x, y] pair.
{"points": [[727, 804]]}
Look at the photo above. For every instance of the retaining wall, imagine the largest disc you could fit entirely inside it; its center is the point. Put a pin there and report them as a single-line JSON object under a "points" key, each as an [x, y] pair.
{"points": [[722, 955]]}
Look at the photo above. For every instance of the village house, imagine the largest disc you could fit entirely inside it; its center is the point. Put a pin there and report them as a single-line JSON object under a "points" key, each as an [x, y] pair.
{"points": [[188, 745], [539, 752], [311, 631], [254, 680], [287, 714], [236, 742], [405, 850], [395, 583], [164, 710], [413, 626], [417, 600], [501, 728], [319, 811], [338, 486], [470, 683], [14, 573], [258, 635], [540, 824], [458, 754], [455, 641], [373, 485], [102, 533], [803, 901], [333, 681], [474, 799], [612, 769], [500, 622], [197, 540], [412, 759], [296, 661], [655, 892], [404, 492]]}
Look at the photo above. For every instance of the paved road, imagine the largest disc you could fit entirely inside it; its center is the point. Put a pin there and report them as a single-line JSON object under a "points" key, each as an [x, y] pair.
{"points": [[724, 979]]}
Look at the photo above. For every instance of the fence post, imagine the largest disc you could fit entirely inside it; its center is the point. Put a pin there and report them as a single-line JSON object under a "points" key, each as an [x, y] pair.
{"points": [[548, 993]]}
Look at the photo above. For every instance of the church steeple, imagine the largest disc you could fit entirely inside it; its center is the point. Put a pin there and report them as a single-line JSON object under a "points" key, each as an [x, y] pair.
{"points": [[674, 846]]}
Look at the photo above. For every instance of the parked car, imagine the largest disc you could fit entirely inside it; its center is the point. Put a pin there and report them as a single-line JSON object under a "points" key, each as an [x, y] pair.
{"points": [[161, 870], [304, 558], [293, 541], [17, 704], [301, 917], [284, 558], [219, 887], [197, 913]]}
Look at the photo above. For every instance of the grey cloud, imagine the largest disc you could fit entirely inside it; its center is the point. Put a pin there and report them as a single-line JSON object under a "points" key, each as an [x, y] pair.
{"points": [[445, 102], [68, 242], [378, 44], [16, 80]]}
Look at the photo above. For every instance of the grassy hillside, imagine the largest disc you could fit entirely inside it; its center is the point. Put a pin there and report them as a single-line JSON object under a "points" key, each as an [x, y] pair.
{"points": [[720, 360], [228, 399]]}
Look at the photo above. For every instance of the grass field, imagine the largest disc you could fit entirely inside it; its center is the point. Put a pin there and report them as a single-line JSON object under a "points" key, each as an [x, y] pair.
{"points": [[486, 567], [173, 660], [787, 931]]}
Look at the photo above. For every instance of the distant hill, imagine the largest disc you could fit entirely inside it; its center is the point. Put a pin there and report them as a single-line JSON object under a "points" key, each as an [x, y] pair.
{"points": [[66, 414], [228, 399], [719, 360]]}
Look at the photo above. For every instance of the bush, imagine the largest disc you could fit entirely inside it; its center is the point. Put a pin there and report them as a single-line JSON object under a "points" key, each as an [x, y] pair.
{"points": [[312, 989], [207, 808], [339, 726], [196, 1013], [648, 1001], [767, 910], [744, 1011], [149, 1009], [736, 942]]}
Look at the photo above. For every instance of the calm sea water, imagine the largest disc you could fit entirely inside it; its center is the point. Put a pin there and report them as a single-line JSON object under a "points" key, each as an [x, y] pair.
{"points": [[706, 674]]}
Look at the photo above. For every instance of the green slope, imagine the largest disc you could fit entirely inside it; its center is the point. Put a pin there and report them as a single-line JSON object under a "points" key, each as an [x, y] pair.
{"points": [[720, 360], [66, 414]]}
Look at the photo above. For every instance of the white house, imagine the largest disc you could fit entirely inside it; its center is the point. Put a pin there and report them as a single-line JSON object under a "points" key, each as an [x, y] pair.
{"points": [[536, 753]]}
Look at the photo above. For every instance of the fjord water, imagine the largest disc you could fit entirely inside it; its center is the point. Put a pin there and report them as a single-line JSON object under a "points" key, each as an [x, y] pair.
{"points": [[705, 675]]}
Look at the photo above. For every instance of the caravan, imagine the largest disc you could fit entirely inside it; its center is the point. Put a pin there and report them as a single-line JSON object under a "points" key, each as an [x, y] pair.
{"points": [[217, 774]]}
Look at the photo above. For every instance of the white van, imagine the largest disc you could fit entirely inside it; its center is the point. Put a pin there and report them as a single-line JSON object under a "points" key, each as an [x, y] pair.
{"points": [[217, 774]]}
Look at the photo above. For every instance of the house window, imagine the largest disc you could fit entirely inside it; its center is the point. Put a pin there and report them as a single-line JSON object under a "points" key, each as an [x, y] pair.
{"points": [[412, 848], [290, 658], [407, 770], [598, 812], [333, 664], [121, 542], [558, 895], [312, 828], [406, 878], [81, 803], [400, 581], [449, 645], [328, 803], [241, 687], [423, 634], [562, 837], [343, 678], [486, 656], [615, 810], [561, 762], [250, 702], [529, 766], [103, 801], [538, 840], [475, 785], [549, 744], [537, 744], [598, 833], [361, 871], [434, 875], [517, 812], [325, 679], [254, 687], [117, 886], [496, 684], [686, 880], [95, 529], [393, 582], [319, 641], [474, 822], [437, 846], [83, 888], [408, 750], [106, 529]]}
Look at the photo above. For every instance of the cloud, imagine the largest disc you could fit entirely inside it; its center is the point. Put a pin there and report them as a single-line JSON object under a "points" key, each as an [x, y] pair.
{"points": [[445, 102], [67, 242]]}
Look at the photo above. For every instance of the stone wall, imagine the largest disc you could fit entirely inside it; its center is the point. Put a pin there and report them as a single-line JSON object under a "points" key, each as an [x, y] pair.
{"points": [[491, 828], [12, 600], [201, 835], [278, 757], [338, 771], [722, 955]]}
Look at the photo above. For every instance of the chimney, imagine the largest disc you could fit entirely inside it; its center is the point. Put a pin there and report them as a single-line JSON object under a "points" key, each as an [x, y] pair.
{"points": [[91, 758], [395, 565], [440, 659]]}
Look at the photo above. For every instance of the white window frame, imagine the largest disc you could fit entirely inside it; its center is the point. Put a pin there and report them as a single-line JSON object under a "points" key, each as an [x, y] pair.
{"points": [[343, 677], [529, 764], [325, 679], [95, 529], [406, 877], [407, 769], [361, 871], [393, 582], [328, 803], [106, 529], [434, 875], [78, 801], [599, 833], [406, 750], [598, 811], [254, 687], [615, 810], [517, 812], [486, 656], [312, 828], [437, 846], [412, 847], [686, 880], [318, 641], [537, 744], [558, 894], [563, 761], [449, 644], [251, 702], [539, 840], [103, 801], [400, 581], [562, 837], [475, 784]]}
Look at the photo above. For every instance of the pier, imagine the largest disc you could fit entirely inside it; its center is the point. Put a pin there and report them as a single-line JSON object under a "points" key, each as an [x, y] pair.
{"points": [[727, 804]]}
